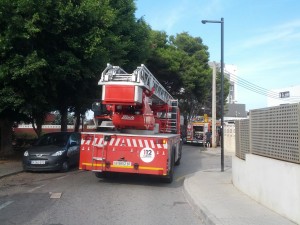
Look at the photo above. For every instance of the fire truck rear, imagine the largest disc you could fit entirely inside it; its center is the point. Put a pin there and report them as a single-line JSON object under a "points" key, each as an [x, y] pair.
{"points": [[196, 132], [142, 127]]}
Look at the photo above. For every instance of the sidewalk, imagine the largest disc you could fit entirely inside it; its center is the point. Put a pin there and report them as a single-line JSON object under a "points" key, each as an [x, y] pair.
{"points": [[8, 167], [217, 201]]}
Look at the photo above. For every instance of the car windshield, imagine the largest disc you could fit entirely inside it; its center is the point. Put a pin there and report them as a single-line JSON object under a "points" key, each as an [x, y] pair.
{"points": [[59, 139]]}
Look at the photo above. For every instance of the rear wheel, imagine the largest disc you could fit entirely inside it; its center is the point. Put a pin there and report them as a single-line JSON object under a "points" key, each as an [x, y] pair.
{"points": [[177, 163], [169, 178], [100, 174], [106, 174]]}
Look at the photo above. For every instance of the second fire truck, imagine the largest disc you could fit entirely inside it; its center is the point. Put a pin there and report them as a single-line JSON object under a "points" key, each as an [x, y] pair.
{"points": [[142, 127], [197, 129]]}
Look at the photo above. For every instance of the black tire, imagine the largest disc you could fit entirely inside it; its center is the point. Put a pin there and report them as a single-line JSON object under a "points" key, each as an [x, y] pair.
{"points": [[177, 163], [100, 174], [65, 166], [169, 178], [106, 174]]}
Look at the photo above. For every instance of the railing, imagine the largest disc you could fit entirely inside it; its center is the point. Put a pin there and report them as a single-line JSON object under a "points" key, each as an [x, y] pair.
{"points": [[27, 128], [271, 132], [242, 138]]}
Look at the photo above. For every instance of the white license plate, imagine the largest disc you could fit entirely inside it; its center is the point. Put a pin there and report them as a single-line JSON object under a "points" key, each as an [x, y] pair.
{"points": [[38, 162], [121, 163]]}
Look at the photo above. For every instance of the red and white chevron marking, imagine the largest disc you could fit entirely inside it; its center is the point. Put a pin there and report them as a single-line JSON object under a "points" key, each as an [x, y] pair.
{"points": [[129, 142]]}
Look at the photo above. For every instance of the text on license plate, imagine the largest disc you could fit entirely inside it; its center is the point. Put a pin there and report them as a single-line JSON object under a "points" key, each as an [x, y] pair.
{"points": [[121, 163], [39, 162]]}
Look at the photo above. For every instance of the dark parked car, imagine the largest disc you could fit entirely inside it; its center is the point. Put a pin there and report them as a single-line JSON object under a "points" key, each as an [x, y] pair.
{"points": [[53, 151]]}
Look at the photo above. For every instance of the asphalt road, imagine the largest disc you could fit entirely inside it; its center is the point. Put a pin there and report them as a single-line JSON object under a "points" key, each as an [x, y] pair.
{"points": [[78, 197]]}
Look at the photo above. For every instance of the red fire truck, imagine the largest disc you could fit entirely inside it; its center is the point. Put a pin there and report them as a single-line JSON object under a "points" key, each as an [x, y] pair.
{"points": [[197, 128], [145, 127]]}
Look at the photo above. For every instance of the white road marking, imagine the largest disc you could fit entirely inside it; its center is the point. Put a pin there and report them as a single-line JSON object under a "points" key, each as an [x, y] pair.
{"points": [[38, 187], [5, 204], [55, 195], [62, 177]]}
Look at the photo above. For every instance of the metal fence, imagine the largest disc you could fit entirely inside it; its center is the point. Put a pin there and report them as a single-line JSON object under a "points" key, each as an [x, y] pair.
{"points": [[272, 132]]}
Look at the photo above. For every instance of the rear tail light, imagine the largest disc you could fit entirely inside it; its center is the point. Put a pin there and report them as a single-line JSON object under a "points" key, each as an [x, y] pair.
{"points": [[162, 141]]}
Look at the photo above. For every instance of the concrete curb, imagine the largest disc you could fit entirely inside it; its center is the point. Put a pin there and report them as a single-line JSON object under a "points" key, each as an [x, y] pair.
{"points": [[10, 174], [10, 168], [206, 216]]}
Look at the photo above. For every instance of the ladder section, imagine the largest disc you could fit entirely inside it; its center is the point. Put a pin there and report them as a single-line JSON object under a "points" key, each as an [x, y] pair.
{"points": [[148, 80], [140, 76], [114, 73], [174, 120], [98, 158], [171, 120]]}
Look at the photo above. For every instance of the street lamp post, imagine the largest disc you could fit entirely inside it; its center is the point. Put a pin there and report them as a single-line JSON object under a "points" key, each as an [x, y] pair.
{"points": [[222, 86]]}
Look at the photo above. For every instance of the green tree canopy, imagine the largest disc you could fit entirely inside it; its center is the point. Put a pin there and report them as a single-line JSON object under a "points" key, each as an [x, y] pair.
{"points": [[52, 54], [181, 64]]}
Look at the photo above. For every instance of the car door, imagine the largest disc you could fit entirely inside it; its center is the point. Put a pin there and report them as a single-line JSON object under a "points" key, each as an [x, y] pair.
{"points": [[74, 148]]}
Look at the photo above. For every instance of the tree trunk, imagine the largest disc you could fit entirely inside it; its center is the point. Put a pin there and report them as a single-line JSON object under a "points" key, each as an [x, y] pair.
{"points": [[6, 137], [77, 122], [64, 119], [39, 123]]}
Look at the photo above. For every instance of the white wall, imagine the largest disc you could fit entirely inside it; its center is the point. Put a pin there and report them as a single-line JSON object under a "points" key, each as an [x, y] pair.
{"points": [[273, 183]]}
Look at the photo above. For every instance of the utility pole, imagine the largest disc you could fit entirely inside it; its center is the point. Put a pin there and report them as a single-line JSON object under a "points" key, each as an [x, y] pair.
{"points": [[222, 86], [213, 117]]}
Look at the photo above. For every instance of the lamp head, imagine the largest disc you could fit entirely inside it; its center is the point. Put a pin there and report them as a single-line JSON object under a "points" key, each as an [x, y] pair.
{"points": [[204, 21]]}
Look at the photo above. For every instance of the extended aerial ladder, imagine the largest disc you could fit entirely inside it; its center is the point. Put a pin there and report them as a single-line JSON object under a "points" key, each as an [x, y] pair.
{"points": [[141, 77], [138, 100]]}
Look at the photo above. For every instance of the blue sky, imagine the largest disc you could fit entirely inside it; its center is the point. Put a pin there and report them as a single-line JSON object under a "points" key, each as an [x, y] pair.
{"points": [[262, 38]]}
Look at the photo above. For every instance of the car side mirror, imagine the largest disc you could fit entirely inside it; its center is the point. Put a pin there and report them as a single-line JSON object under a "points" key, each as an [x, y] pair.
{"points": [[73, 143]]}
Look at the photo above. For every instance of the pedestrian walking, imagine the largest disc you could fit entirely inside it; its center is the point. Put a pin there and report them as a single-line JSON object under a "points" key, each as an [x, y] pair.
{"points": [[208, 139]]}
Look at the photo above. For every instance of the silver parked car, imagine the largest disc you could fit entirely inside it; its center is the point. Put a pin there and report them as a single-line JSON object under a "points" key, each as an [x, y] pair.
{"points": [[53, 151]]}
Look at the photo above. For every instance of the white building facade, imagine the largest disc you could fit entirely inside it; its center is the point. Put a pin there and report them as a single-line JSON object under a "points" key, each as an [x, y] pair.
{"points": [[283, 96], [230, 72]]}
